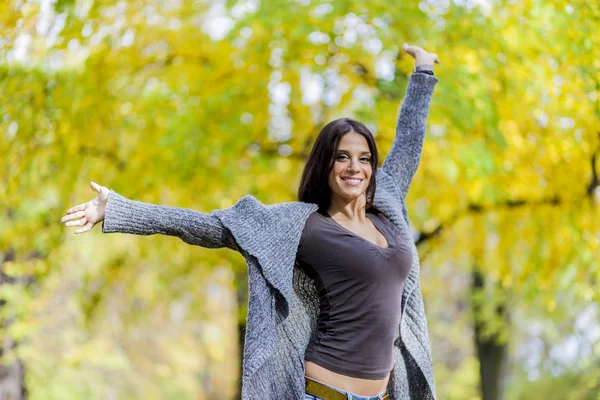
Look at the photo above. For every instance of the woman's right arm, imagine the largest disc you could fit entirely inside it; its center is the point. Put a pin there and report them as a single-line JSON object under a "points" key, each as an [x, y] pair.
{"points": [[120, 214]]}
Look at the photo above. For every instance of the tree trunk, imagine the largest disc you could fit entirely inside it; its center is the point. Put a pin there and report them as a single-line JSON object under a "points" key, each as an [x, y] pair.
{"points": [[12, 376], [491, 353], [242, 301], [11, 382], [242, 337]]}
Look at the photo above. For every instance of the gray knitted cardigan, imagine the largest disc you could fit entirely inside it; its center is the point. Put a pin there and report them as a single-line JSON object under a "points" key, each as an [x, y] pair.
{"points": [[283, 302]]}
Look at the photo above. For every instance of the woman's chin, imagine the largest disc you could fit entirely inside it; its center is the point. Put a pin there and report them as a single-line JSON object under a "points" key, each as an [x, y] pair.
{"points": [[350, 194]]}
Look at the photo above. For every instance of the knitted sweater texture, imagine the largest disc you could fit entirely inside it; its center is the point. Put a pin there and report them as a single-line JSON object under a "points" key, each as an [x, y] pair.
{"points": [[283, 301]]}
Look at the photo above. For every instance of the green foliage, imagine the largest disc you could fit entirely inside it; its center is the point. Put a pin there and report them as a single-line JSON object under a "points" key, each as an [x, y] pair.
{"points": [[139, 98], [573, 385]]}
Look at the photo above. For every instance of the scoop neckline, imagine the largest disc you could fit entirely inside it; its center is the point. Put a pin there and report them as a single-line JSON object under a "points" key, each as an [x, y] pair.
{"points": [[390, 246]]}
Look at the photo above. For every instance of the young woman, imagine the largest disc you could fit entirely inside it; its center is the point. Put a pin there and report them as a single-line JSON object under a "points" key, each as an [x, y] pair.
{"points": [[335, 308]]}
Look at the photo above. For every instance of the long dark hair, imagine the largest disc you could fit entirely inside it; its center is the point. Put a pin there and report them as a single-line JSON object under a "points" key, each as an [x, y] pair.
{"points": [[314, 185]]}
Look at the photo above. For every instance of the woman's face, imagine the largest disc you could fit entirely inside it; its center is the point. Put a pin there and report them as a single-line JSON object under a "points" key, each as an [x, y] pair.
{"points": [[352, 159]]}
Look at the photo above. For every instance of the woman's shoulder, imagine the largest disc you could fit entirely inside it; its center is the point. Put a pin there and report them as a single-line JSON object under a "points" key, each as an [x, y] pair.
{"points": [[373, 210], [314, 220], [291, 205], [380, 215], [317, 217], [290, 210]]}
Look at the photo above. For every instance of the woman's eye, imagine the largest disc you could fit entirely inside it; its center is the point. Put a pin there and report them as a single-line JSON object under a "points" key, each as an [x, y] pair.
{"points": [[367, 159]]}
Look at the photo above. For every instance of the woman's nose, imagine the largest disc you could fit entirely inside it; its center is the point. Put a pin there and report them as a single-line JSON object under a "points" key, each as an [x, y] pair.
{"points": [[354, 165]]}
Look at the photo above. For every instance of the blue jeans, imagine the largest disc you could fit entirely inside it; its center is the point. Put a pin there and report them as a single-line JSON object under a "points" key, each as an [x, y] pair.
{"points": [[351, 396]]}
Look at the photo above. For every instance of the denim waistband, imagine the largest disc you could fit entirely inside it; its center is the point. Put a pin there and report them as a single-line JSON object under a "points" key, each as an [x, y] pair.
{"points": [[350, 395]]}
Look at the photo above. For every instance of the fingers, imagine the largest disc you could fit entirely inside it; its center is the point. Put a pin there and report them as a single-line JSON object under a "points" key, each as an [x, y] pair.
{"points": [[80, 207], [413, 50], [410, 49], [103, 191], [80, 222], [72, 216], [86, 228]]}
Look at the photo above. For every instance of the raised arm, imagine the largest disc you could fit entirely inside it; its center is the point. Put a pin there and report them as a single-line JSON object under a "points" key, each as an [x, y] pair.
{"points": [[119, 214], [403, 159]]}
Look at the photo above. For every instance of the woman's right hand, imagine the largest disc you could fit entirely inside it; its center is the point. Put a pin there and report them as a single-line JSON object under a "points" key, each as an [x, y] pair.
{"points": [[90, 213]]}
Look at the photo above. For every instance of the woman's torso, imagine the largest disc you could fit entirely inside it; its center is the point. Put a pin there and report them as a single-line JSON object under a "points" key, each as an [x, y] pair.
{"points": [[359, 272]]}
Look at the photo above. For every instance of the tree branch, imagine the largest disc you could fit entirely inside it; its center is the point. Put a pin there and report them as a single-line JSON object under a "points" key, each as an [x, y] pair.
{"points": [[595, 182], [474, 208]]}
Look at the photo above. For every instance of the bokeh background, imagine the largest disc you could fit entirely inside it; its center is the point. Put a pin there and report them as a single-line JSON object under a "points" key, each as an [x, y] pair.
{"points": [[195, 104]]}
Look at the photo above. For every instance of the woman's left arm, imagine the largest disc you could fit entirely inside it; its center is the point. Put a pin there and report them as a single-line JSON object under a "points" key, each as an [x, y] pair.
{"points": [[403, 159]]}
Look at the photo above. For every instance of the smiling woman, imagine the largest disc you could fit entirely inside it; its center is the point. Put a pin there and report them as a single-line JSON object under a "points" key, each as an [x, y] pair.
{"points": [[352, 166], [331, 275], [358, 259], [345, 148]]}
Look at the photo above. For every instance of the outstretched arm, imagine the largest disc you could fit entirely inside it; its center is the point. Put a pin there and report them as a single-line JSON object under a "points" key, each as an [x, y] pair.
{"points": [[193, 227], [120, 214], [404, 156]]}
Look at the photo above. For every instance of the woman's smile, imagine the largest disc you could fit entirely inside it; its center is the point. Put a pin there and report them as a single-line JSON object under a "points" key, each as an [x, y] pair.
{"points": [[352, 181]]}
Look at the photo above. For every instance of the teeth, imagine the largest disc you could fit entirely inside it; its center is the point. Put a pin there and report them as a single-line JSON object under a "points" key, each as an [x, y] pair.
{"points": [[352, 180]]}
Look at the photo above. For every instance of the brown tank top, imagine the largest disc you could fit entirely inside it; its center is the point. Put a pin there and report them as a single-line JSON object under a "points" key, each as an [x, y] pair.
{"points": [[360, 288]]}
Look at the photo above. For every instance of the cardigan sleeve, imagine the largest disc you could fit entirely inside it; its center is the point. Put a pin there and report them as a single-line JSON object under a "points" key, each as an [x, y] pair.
{"points": [[404, 156], [193, 227]]}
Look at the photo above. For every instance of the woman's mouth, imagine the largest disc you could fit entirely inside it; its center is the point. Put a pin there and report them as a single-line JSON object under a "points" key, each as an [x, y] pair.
{"points": [[352, 181]]}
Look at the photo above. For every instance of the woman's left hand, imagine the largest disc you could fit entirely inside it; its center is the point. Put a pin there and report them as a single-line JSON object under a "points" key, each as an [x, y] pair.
{"points": [[421, 56]]}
